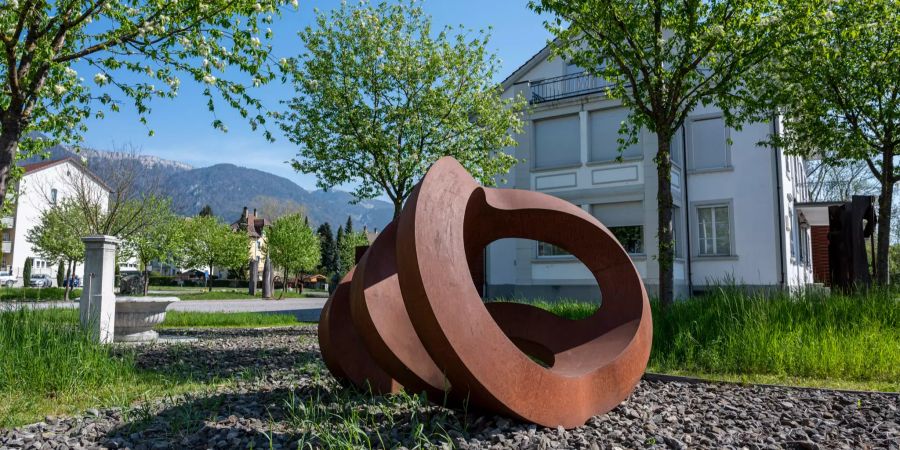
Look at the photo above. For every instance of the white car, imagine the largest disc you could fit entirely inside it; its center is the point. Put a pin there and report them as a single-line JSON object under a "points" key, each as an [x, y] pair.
{"points": [[41, 280], [8, 279]]}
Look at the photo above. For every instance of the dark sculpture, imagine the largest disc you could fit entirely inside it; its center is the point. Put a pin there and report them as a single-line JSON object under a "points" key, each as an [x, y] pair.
{"points": [[409, 314], [268, 281], [254, 276], [848, 227]]}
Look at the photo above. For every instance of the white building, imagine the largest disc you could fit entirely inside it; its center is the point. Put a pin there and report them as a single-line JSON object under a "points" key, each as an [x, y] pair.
{"points": [[735, 216], [42, 185]]}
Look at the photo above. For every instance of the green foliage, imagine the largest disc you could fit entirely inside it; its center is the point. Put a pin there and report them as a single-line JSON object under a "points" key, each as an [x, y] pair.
{"points": [[347, 248], [139, 50], [161, 239], [330, 263], [57, 236], [29, 294], [209, 243], [381, 97], [293, 245], [665, 58], [206, 211], [838, 91], [26, 270]]}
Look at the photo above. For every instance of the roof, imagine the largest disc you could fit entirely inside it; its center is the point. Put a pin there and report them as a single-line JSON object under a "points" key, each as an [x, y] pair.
{"points": [[536, 59], [39, 166]]}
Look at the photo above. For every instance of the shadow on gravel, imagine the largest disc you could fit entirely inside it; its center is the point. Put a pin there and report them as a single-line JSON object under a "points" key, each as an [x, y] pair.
{"points": [[316, 413]]}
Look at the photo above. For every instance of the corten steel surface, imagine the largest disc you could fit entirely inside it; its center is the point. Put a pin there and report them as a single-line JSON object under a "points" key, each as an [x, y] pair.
{"points": [[412, 313]]}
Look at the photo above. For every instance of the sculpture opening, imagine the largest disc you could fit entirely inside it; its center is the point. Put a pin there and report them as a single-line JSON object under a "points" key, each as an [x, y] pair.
{"points": [[420, 322]]}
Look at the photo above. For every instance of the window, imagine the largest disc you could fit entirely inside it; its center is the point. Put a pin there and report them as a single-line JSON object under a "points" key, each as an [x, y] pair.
{"points": [[676, 149], [714, 230], [557, 142], [708, 145], [677, 228], [550, 250], [792, 231], [604, 135], [53, 195], [625, 221]]}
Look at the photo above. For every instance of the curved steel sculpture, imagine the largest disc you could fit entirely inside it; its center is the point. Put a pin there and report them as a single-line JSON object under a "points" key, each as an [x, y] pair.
{"points": [[409, 315]]}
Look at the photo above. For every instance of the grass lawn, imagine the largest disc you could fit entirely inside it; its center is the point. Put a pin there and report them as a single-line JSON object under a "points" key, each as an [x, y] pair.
{"points": [[183, 319], [194, 293], [846, 342]]}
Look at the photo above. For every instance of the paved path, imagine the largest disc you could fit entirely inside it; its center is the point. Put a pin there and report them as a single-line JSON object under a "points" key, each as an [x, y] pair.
{"points": [[305, 309]]}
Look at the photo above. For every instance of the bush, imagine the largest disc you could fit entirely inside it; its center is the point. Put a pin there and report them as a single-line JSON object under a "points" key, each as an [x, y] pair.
{"points": [[173, 281], [37, 294], [231, 283]]}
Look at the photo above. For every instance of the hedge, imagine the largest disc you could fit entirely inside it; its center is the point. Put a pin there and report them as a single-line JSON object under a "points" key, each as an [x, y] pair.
{"points": [[37, 294]]}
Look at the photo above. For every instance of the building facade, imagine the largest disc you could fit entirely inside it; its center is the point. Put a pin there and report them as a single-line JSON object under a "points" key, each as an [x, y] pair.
{"points": [[735, 219], [43, 185]]}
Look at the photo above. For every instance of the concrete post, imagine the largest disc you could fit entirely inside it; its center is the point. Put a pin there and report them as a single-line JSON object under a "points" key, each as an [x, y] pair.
{"points": [[98, 300]]}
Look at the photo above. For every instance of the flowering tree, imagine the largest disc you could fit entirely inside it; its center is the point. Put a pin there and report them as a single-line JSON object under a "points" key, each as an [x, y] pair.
{"points": [[666, 57], [381, 98], [293, 246], [137, 50]]}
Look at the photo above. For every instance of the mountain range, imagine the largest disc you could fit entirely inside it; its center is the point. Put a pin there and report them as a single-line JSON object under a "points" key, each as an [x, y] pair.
{"points": [[228, 188]]}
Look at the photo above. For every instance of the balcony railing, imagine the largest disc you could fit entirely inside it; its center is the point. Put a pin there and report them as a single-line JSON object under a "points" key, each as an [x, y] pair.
{"points": [[7, 222], [7, 247], [566, 86]]}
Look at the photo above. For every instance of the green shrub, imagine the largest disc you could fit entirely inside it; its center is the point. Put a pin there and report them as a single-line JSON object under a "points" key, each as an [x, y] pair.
{"points": [[37, 294]]}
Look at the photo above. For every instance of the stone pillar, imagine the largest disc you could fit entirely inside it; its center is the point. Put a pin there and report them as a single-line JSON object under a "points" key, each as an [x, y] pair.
{"points": [[268, 283], [254, 275], [98, 301]]}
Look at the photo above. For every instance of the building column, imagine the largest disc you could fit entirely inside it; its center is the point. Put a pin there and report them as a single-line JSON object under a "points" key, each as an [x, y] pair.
{"points": [[98, 300]]}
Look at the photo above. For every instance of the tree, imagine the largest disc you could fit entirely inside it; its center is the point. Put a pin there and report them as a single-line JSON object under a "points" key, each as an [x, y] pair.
{"points": [[663, 58], [26, 271], [381, 98], [134, 47], [347, 248], [209, 243], [329, 264], [839, 92], [828, 181], [163, 239], [60, 274], [206, 211], [293, 246], [348, 227], [57, 236]]}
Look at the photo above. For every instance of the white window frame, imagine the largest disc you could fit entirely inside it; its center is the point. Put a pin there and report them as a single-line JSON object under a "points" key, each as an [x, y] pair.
{"points": [[728, 204]]}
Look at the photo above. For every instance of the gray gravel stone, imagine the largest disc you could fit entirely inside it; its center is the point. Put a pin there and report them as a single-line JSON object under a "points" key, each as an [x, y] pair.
{"points": [[282, 397]]}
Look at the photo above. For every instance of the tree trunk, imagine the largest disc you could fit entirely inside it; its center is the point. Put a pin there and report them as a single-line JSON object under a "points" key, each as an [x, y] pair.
{"points": [[398, 206], [885, 202], [145, 281], [666, 248], [70, 279], [9, 144]]}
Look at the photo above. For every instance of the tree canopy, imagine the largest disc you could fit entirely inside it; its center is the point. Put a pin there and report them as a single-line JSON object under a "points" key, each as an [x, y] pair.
{"points": [[838, 90], [293, 245], [135, 51], [381, 97], [209, 243]]}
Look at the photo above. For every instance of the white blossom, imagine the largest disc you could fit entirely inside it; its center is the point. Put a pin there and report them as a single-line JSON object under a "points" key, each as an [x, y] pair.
{"points": [[100, 79], [59, 89], [209, 79]]}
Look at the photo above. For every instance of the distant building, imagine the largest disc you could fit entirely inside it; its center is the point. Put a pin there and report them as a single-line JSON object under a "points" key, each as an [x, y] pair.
{"points": [[736, 215], [255, 227], [43, 185]]}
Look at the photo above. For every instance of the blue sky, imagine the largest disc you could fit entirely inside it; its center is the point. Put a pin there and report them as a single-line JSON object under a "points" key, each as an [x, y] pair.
{"points": [[182, 126]]}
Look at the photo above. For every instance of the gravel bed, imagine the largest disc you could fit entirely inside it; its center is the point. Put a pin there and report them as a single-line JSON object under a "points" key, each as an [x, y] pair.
{"points": [[280, 396]]}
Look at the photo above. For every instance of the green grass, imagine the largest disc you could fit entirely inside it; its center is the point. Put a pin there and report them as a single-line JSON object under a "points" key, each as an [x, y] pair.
{"points": [[182, 319], [36, 294], [217, 294], [837, 341], [49, 365]]}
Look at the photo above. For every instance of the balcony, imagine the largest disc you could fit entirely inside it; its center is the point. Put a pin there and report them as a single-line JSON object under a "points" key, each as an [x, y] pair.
{"points": [[7, 247], [7, 222], [566, 86]]}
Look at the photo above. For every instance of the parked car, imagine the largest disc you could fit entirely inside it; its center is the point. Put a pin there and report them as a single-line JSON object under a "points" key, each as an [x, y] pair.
{"points": [[76, 282], [8, 279], [40, 280]]}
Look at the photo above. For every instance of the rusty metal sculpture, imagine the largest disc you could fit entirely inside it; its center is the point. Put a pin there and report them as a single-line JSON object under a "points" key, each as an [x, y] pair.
{"points": [[409, 315]]}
